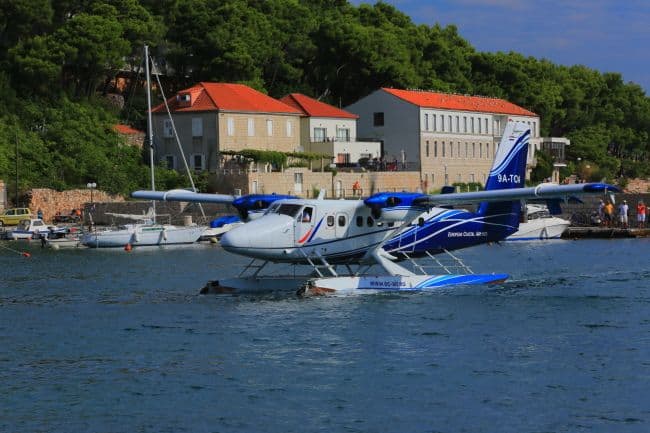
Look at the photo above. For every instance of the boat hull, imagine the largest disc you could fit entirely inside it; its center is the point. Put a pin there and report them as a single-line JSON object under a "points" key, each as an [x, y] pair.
{"points": [[142, 236], [540, 229]]}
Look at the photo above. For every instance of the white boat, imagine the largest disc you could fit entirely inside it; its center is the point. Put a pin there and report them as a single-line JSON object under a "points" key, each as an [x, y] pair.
{"points": [[146, 231], [139, 234], [540, 225], [66, 242], [220, 226], [28, 229]]}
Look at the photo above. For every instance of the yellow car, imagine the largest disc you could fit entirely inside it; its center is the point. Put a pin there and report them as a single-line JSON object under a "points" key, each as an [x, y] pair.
{"points": [[12, 217]]}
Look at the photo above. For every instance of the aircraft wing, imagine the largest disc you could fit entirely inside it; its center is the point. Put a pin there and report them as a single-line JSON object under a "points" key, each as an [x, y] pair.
{"points": [[545, 190], [183, 195]]}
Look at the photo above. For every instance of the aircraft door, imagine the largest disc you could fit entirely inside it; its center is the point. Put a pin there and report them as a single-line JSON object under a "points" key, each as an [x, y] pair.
{"points": [[304, 224]]}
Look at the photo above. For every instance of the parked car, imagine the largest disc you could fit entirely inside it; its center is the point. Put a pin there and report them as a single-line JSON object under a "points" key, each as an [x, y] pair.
{"points": [[12, 217]]}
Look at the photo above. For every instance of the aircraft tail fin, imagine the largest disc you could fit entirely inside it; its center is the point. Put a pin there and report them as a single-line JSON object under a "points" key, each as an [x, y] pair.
{"points": [[508, 171]]}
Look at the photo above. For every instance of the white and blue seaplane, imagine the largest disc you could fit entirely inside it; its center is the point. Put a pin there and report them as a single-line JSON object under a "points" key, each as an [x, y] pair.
{"points": [[369, 246]]}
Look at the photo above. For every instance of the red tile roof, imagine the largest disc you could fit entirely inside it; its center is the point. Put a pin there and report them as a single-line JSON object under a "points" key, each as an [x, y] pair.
{"points": [[459, 102], [127, 130], [313, 108], [227, 97]]}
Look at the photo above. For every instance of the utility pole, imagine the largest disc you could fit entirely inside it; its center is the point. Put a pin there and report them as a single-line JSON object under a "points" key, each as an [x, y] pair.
{"points": [[16, 196]]}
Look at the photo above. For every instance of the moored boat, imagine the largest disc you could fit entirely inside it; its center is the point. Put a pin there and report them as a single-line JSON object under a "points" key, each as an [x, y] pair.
{"points": [[540, 225]]}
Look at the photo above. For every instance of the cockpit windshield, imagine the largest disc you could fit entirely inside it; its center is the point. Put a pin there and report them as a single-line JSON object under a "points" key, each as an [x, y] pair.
{"points": [[286, 209]]}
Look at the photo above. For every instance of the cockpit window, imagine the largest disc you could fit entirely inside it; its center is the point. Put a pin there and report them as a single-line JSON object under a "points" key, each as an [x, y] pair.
{"points": [[289, 209], [306, 214], [272, 209]]}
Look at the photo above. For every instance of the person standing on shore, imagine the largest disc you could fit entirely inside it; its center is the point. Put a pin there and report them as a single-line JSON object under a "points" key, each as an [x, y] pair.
{"points": [[622, 214], [609, 214], [641, 214]]}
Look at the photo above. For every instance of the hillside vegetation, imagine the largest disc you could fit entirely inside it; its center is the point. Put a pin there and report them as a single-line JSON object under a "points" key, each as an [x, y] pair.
{"points": [[58, 59]]}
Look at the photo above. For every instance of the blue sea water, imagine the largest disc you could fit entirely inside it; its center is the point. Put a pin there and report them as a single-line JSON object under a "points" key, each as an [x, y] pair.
{"points": [[110, 341]]}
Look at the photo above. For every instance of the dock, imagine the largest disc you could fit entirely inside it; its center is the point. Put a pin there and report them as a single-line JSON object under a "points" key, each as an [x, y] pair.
{"points": [[604, 232]]}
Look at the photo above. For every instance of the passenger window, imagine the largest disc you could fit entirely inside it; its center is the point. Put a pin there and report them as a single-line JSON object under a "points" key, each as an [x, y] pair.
{"points": [[341, 220], [330, 221], [359, 221], [370, 221]]}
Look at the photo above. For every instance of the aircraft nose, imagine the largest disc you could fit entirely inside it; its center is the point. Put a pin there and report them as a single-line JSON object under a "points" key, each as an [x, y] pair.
{"points": [[236, 238]]}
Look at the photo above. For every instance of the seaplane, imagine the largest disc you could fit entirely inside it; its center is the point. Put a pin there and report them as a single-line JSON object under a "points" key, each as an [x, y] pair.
{"points": [[370, 245]]}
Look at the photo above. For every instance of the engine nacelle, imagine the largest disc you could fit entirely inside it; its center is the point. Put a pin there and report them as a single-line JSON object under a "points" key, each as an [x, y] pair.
{"points": [[394, 206], [252, 205]]}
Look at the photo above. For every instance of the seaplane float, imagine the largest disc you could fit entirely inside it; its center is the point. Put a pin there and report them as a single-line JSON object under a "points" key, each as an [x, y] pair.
{"points": [[371, 245]]}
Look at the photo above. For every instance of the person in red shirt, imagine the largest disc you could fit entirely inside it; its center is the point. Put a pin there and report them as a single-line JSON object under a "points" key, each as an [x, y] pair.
{"points": [[641, 211]]}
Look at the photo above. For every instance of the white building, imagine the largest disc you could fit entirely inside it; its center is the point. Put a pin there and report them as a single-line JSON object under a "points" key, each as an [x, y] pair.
{"points": [[448, 138], [330, 130]]}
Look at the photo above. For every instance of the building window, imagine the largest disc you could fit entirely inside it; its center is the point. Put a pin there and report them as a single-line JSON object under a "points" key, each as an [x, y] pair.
{"points": [[197, 161], [457, 123], [269, 127], [342, 158], [378, 119], [480, 126], [427, 149], [471, 122], [168, 130], [426, 122], [435, 149], [170, 161], [480, 150], [473, 150], [443, 148], [231, 126], [343, 134], [289, 128], [251, 127], [485, 121], [458, 150], [319, 134], [197, 127], [466, 146], [465, 124], [487, 150], [471, 177], [442, 123], [451, 149], [435, 126]]}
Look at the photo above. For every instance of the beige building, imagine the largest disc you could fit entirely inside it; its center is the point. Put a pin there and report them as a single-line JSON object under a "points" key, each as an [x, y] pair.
{"points": [[213, 117], [447, 138]]}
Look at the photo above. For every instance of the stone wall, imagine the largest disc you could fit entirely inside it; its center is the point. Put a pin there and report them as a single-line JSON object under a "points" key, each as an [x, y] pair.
{"points": [[336, 186], [51, 201]]}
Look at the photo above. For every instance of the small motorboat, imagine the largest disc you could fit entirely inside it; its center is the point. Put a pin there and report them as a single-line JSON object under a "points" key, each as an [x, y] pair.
{"points": [[540, 225], [28, 229]]}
